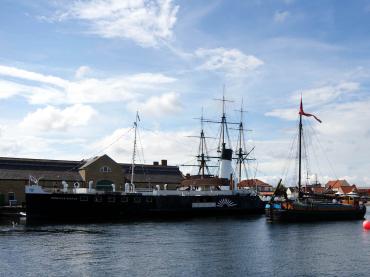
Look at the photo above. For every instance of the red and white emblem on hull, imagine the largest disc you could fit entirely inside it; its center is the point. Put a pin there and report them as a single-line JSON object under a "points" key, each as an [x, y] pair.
{"points": [[224, 202]]}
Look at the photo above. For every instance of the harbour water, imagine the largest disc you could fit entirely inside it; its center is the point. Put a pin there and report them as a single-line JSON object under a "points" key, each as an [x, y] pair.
{"points": [[238, 246]]}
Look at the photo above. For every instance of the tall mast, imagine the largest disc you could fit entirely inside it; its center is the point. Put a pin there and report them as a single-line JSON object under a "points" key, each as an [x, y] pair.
{"points": [[134, 152], [240, 153], [202, 148], [223, 122], [225, 169], [202, 155], [301, 112], [223, 119], [300, 155]]}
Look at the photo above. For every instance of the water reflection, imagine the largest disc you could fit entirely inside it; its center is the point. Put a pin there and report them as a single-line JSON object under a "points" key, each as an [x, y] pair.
{"points": [[192, 247]]}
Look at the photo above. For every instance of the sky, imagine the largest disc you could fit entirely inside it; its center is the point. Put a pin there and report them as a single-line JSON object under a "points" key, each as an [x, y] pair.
{"points": [[74, 73]]}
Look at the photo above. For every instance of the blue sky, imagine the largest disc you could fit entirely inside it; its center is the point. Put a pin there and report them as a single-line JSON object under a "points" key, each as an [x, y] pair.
{"points": [[73, 73]]}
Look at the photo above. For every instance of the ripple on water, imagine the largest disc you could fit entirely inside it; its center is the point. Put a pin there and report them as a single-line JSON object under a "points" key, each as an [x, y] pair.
{"points": [[198, 247]]}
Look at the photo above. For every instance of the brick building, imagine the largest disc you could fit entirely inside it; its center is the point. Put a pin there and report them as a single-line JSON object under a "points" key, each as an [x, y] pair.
{"points": [[15, 173]]}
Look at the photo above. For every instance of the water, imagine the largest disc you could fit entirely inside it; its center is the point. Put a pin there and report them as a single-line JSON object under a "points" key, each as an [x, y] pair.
{"points": [[242, 246]]}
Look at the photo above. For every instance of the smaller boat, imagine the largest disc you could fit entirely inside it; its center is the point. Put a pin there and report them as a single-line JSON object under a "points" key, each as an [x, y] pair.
{"points": [[309, 207]]}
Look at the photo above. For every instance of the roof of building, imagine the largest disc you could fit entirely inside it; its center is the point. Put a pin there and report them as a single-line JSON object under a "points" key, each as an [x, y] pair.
{"points": [[90, 161], [347, 189], [28, 164], [318, 189], [253, 183], [336, 184], [153, 173], [51, 175], [151, 169], [22, 169], [362, 190]]}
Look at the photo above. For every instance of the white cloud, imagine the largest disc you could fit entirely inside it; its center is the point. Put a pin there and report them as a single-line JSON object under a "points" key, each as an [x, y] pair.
{"points": [[346, 119], [32, 76], [158, 106], [47, 89], [17, 141], [288, 114], [326, 94], [147, 22], [156, 145], [51, 118], [82, 71], [231, 61], [313, 98], [281, 16], [9, 89]]}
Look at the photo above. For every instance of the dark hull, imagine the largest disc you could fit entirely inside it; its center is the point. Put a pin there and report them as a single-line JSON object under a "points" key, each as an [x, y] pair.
{"points": [[314, 215], [89, 207]]}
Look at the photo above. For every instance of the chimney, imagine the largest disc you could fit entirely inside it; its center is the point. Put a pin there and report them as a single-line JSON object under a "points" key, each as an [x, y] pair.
{"points": [[164, 162], [155, 163]]}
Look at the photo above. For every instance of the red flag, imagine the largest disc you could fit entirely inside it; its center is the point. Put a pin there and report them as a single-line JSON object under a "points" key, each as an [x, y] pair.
{"points": [[301, 112]]}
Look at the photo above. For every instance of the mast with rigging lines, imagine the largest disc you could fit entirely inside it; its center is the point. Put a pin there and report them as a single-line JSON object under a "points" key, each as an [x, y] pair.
{"points": [[134, 150], [241, 153]]}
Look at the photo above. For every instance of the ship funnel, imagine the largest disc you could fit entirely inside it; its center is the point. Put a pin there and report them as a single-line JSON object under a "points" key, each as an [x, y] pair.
{"points": [[225, 169]]}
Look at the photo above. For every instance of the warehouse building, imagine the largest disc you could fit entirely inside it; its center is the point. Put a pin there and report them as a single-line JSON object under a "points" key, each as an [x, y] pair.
{"points": [[103, 171]]}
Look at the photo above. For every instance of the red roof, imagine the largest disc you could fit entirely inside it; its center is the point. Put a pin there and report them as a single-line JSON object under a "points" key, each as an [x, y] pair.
{"points": [[336, 184], [318, 189], [253, 183], [347, 189], [363, 190]]}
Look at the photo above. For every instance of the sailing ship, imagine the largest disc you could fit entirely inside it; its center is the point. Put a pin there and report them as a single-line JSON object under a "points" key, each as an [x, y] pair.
{"points": [[207, 195], [308, 207]]}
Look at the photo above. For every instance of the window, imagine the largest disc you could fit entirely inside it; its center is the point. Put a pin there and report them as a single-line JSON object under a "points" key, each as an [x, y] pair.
{"points": [[11, 196], [98, 198], [105, 169], [137, 200], [111, 199], [84, 198], [124, 199]]}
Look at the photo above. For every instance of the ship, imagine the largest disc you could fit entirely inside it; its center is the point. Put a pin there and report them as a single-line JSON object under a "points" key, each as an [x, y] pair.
{"points": [[311, 207], [204, 196]]}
